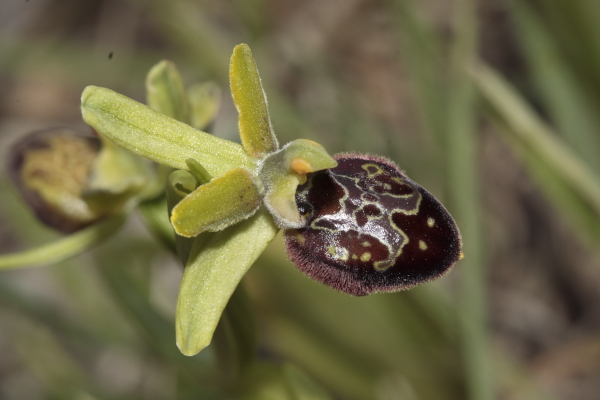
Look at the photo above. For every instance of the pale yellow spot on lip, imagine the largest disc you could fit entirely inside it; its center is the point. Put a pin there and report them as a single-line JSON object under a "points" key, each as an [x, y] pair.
{"points": [[338, 253], [430, 222], [422, 245], [461, 255], [342, 255], [354, 257], [366, 244], [301, 239], [365, 257]]}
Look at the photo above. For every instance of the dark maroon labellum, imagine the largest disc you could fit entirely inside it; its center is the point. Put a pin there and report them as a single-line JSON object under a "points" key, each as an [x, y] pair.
{"points": [[369, 228]]}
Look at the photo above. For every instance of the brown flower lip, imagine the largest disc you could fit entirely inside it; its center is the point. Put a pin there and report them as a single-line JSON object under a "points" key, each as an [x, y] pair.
{"points": [[369, 229]]}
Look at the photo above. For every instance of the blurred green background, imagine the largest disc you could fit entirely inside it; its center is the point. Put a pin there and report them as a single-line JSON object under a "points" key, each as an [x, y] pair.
{"points": [[492, 105]]}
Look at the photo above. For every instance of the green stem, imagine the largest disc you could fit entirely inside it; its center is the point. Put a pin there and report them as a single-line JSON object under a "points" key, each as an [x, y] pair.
{"points": [[66, 247], [156, 218]]}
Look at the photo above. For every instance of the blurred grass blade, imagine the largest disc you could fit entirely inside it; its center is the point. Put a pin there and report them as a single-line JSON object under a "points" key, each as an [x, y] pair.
{"points": [[422, 52], [214, 269], [165, 92], [575, 27], [55, 368], [287, 382], [188, 27], [234, 340], [150, 134], [302, 385], [250, 101], [567, 181], [463, 188], [129, 287], [575, 116], [66, 247]]}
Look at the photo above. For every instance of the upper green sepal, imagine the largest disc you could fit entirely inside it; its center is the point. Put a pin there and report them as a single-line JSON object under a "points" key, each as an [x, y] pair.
{"points": [[250, 100]]}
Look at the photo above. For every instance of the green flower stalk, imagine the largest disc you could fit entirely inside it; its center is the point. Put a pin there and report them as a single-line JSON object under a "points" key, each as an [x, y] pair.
{"points": [[231, 199], [354, 222]]}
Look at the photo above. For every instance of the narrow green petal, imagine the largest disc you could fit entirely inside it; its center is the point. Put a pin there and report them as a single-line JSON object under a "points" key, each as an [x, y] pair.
{"points": [[205, 101], [180, 184], [150, 134], [198, 171], [214, 270], [165, 92], [65, 247], [250, 100], [214, 206]]}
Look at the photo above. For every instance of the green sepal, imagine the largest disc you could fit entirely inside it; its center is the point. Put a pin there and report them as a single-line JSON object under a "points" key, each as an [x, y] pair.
{"points": [[157, 137], [250, 101], [165, 92], [116, 176], [216, 265], [205, 101], [214, 206], [283, 171]]}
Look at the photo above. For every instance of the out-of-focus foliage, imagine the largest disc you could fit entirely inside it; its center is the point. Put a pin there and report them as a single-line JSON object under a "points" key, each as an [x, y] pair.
{"points": [[490, 105]]}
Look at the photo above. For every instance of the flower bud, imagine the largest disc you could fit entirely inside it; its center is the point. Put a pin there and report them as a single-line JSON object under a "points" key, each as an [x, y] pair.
{"points": [[50, 168]]}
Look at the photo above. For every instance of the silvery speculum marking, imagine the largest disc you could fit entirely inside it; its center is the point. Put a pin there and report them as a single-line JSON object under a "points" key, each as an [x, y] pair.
{"points": [[369, 228]]}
